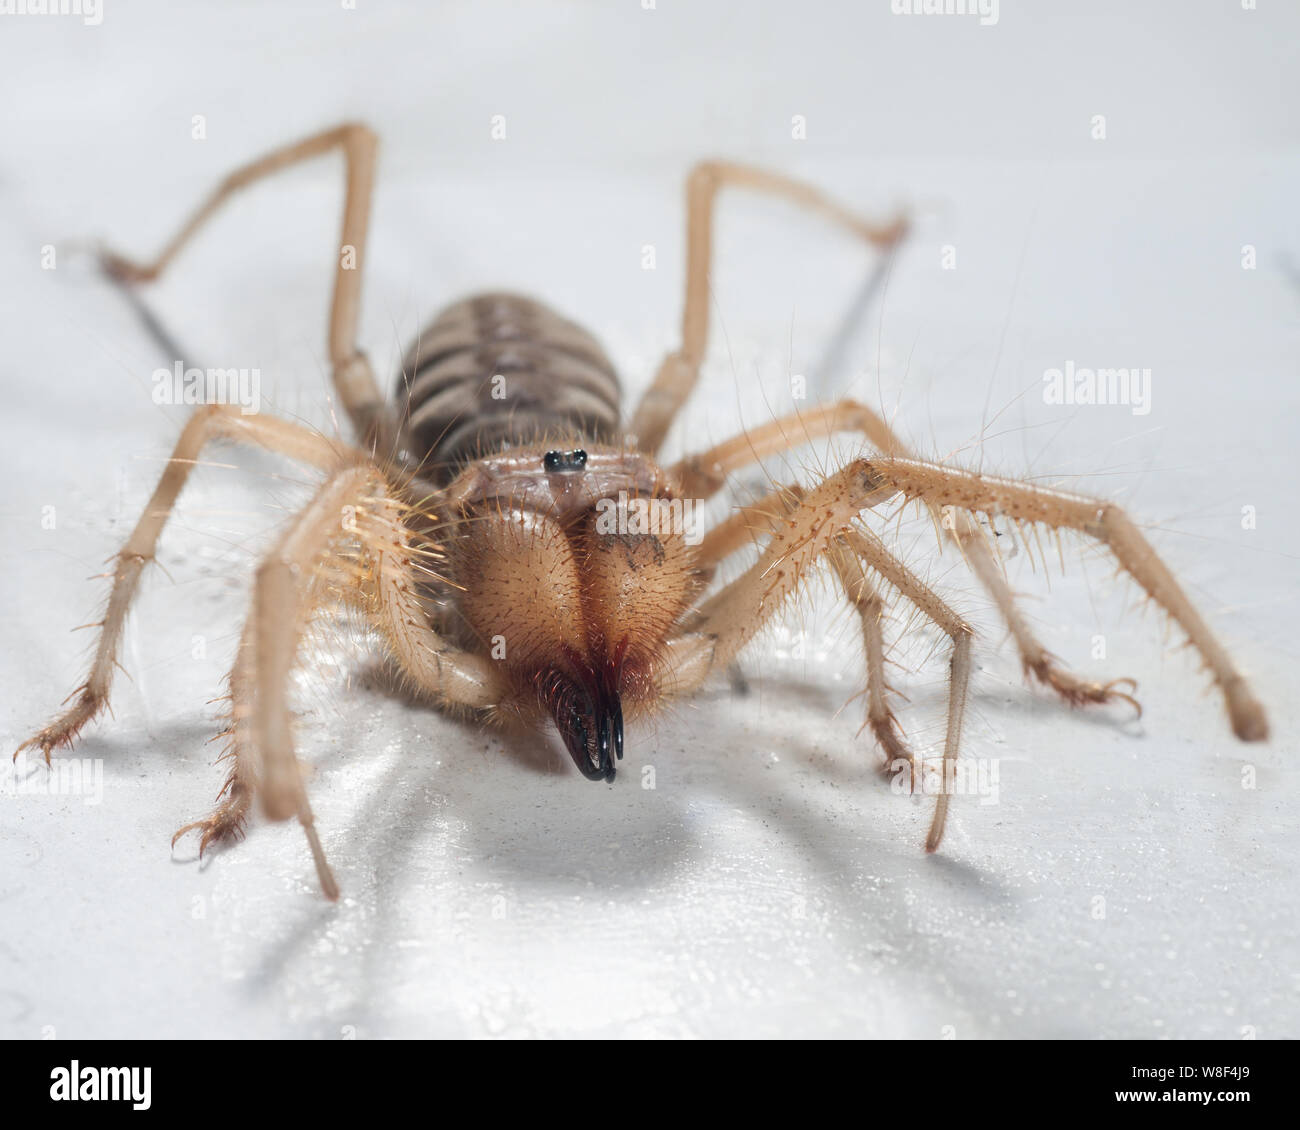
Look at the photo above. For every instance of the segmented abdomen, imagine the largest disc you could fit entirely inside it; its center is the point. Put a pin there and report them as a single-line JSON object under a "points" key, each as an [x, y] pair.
{"points": [[499, 370]]}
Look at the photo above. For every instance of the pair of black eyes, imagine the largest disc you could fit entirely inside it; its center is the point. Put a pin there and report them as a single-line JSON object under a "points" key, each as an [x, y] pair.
{"points": [[565, 460]]}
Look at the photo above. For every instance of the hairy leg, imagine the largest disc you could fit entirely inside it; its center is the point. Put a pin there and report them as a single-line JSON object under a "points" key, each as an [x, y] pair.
{"points": [[810, 533], [941, 486], [227, 820], [680, 370], [208, 423], [742, 528], [731, 618], [853, 554], [350, 539], [743, 605], [704, 475], [869, 605], [353, 378]]}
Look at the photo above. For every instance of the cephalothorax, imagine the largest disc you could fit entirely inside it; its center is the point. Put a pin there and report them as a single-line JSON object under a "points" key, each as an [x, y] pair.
{"points": [[519, 551]]}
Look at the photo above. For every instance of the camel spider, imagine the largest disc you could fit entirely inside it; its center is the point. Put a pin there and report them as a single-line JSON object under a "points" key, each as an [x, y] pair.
{"points": [[485, 526]]}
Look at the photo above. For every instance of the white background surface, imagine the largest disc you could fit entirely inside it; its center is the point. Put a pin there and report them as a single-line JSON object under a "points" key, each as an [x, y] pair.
{"points": [[771, 883]]}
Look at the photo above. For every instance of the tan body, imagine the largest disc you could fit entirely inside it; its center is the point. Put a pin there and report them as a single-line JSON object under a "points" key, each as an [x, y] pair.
{"points": [[552, 575], [466, 527]]}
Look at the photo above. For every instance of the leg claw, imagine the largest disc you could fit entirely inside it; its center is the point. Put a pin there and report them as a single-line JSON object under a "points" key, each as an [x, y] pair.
{"points": [[42, 741], [63, 731], [226, 825], [1080, 692]]}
